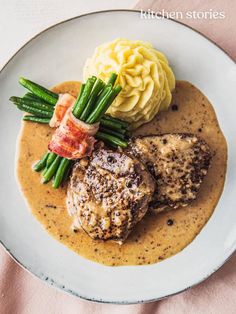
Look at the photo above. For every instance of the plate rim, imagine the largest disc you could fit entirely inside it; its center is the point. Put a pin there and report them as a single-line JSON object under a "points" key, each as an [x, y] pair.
{"points": [[49, 281]]}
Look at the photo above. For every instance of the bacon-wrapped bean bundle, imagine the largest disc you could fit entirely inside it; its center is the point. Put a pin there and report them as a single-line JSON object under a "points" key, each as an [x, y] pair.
{"points": [[73, 138]]}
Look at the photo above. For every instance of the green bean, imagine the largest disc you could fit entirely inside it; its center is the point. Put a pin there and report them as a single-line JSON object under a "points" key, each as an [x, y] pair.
{"points": [[43, 173], [31, 96], [52, 169], [99, 85], [82, 100], [40, 165], [36, 119], [112, 79], [32, 103], [94, 116], [80, 94], [116, 91], [81, 91], [111, 139], [112, 132], [51, 158], [37, 112], [111, 124], [121, 131], [39, 91], [103, 105], [122, 123], [106, 89], [61, 171]]}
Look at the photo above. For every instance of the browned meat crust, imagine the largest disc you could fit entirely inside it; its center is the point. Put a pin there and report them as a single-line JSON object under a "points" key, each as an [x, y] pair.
{"points": [[178, 162], [108, 194]]}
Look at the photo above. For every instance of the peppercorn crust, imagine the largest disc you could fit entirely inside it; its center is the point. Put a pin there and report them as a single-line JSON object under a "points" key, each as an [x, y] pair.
{"points": [[177, 162], [108, 194]]}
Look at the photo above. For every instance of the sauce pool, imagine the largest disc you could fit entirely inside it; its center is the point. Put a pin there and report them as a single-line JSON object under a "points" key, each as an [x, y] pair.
{"points": [[157, 236]]}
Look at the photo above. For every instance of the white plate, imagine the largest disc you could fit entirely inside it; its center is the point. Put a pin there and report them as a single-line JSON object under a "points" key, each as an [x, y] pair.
{"points": [[58, 54]]}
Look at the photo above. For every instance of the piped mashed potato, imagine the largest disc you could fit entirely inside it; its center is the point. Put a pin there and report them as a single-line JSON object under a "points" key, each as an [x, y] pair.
{"points": [[144, 74]]}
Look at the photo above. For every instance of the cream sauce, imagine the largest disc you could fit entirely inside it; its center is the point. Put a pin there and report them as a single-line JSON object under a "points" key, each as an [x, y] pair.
{"points": [[153, 239]]}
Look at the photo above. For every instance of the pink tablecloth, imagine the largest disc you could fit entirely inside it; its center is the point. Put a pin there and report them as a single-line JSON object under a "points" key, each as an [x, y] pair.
{"points": [[21, 293]]}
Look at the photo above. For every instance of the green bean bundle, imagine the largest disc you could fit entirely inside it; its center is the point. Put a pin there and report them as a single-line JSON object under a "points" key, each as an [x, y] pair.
{"points": [[94, 99]]}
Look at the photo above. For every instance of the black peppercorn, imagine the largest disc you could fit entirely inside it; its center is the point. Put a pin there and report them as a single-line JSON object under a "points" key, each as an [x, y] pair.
{"points": [[111, 159], [129, 184], [174, 107], [170, 222]]}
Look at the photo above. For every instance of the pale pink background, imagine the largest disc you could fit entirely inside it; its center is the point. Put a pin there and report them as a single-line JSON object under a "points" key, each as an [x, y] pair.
{"points": [[21, 293]]}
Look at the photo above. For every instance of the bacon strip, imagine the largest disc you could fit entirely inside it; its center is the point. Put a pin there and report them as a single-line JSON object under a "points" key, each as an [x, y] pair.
{"points": [[73, 138], [65, 101]]}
